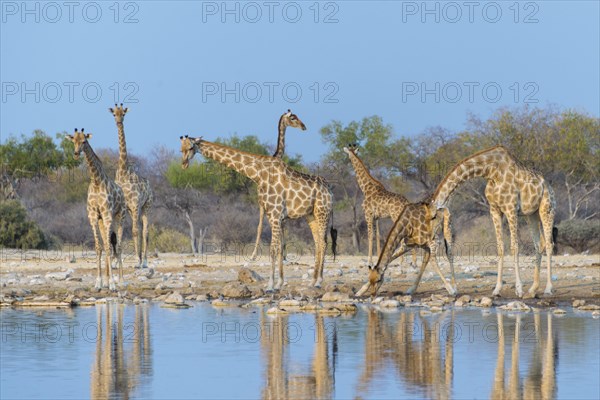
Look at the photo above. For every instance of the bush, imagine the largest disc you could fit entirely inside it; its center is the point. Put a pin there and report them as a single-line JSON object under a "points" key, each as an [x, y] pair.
{"points": [[168, 240], [17, 230], [579, 234]]}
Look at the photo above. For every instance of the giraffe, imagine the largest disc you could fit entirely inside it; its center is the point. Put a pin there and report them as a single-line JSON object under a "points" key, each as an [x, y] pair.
{"points": [[511, 187], [417, 226], [105, 208], [138, 194], [287, 119], [283, 193], [378, 201]]}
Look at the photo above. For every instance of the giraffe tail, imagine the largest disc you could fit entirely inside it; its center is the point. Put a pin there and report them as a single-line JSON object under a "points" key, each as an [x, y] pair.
{"points": [[334, 233], [447, 231], [554, 237], [113, 242]]}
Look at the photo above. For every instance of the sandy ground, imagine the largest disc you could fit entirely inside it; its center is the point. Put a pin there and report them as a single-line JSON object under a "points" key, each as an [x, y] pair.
{"points": [[53, 276]]}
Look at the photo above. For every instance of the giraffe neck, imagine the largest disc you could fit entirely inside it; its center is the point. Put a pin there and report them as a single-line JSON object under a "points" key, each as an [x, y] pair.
{"points": [[247, 164], [280, 139], [95, 168], [483, 164], [122, 166], [363, 176]]}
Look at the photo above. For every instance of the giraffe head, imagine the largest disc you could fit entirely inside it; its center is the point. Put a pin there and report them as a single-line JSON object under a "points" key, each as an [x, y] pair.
{"points": [[78, 139], [189, 147], [351, 148], [290, 119], [375, 279], [119, 113]]}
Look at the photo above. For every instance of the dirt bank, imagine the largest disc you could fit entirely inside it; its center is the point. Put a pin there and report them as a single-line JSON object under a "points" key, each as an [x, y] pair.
{"points": [[53, 276]]}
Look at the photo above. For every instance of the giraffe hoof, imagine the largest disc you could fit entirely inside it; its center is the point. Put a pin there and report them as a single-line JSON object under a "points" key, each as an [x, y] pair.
{"points": [[548, 292], [410, 290]]}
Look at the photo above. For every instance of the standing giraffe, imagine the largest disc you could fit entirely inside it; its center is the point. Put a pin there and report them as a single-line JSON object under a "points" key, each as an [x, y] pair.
{"points": [[105, 208], [286, 119], [511, 187], [282, 192], [416, 227], [138, 194], [378, 201]]}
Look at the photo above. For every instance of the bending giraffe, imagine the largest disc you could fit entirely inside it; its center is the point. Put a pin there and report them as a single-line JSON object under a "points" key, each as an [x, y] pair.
{"points": [[416, 227], [378, 201], [511, 187], [283, 193], [286, 119], [105, 208], [138, 194]]}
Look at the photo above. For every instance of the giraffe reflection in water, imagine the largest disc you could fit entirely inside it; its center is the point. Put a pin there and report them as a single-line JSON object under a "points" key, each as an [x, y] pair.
{"points": [[123, 355], [280, 383], [420, 350], [540, 381]]}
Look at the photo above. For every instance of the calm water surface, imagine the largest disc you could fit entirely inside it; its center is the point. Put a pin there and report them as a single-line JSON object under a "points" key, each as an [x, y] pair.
{"points": [[126, 351]]}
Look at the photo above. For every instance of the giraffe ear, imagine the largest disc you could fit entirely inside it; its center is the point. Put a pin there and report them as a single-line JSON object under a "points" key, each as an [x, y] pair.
{"points": [[111, 110], [88, 135], [125, 110], [288, 113], [70, 137], [197, 140]]}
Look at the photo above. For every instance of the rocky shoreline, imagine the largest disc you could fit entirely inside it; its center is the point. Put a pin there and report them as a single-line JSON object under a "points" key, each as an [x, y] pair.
{"points": [[177, 281]]}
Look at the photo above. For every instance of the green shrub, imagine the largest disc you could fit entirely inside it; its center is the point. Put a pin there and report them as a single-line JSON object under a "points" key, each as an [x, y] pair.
{"points": [[17, 230], [168, 240], [579, 234]]}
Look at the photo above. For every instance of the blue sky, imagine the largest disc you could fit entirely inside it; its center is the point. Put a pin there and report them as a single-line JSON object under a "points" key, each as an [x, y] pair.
{"points": [[416, 64]]}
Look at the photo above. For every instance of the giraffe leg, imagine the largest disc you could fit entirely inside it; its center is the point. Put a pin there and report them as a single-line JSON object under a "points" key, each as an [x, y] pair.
{"points": [[377, 238], [98, 247], [534, 226], [275, 250], [433, 245], [449, 240], [119, 255], [414, 257], [318, 229], [497, 220], [108, 225], [137, 236], [370, 219], [415, 285], [547, 225], [258, 233], [145, 236], [514, 248]]}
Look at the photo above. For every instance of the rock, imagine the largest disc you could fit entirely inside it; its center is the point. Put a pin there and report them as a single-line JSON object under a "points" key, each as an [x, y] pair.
{"points": [[248, 276], [558, 311], [41, 298], [160, 286], [390, 303], [406, 299], [175, 298], [465, 299], [291, 303], [236, 290], [149, 273], [470, 268], [74, 279], [596, 314], [59, 276], [276, 311], [485, 302], [436, 309], [37, 281], [334, 272], [222, 303], [578, 303], [311, 307], [516, 306], [589, 307], [335, 297], [202, 297]]}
